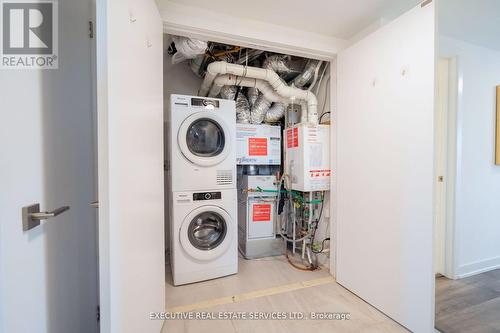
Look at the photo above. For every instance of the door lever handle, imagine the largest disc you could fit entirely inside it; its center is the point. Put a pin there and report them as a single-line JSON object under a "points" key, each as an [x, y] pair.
{"points": [[32, 215], [94, 204], [48, 215]]}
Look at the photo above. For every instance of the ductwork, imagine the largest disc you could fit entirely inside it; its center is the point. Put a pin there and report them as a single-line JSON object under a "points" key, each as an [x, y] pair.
{"points": [[279, 86], [307, 74], [233, 80], [277, 63], [242, 106], [252, 94], [259, 110], [275, 113]]}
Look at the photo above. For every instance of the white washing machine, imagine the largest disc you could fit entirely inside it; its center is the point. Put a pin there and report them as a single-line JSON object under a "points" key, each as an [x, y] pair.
{"points": [[204, 235], [202, 136]]}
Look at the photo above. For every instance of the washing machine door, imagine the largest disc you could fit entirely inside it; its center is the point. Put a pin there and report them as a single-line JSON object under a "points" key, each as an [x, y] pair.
{"points": [[207, 233], [204, 139]]}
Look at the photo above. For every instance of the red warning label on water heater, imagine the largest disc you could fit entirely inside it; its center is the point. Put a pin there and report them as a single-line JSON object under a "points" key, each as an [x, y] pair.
{"points": [[257, 146], [292, 137], [261, 213]]}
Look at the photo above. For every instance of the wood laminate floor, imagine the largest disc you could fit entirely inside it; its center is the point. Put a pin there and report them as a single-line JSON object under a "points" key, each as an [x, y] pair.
{"points": [[272, 285], [470, 305]]}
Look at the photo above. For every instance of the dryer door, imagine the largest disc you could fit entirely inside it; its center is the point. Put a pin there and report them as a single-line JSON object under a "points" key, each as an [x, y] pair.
{"points": [[207, 232], [203, 139]]}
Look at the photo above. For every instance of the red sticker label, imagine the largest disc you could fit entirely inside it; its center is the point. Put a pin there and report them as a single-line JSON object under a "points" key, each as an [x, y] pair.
{"points": [[292, 137], [257, 146], [261, 213]]}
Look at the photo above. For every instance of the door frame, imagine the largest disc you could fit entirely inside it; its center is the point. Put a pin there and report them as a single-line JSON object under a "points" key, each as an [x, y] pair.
{"points": [[446, 240], [283, 47]]}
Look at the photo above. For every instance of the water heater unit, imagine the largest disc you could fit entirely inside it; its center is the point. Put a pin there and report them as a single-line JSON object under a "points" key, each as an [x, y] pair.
{"points": [[308, 157]]}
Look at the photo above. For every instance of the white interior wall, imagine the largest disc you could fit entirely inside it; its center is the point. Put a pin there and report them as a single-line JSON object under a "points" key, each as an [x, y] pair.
{"points": [[477, 211], [130, 155], [179, 79]]}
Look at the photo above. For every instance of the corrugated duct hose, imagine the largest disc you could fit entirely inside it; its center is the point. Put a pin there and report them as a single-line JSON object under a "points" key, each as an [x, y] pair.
{"points": [[242, 105], [260, 108], [277, 110]]}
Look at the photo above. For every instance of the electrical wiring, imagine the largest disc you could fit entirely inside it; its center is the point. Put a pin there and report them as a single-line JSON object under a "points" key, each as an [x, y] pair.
{"points": [[322, 246], [223, 53]]}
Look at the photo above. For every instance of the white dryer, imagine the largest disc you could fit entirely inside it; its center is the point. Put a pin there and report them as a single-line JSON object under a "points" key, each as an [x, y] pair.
{"points": [[204, 234], [202, 135]]}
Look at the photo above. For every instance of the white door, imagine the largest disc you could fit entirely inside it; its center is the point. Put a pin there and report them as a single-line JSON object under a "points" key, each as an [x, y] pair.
{"points": [[385, 174], [48, 274], [130, 167]]}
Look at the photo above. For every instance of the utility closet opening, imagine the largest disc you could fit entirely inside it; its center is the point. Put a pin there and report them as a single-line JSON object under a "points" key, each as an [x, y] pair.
{"points": [[247, 160]]}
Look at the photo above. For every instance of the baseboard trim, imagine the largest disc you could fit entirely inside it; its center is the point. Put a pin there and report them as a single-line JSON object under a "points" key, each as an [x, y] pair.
{"points": [[478, 267]]}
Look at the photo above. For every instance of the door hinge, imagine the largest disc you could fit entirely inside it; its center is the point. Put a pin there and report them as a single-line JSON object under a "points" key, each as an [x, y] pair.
{"points": [[98, 313], [91, 29]]}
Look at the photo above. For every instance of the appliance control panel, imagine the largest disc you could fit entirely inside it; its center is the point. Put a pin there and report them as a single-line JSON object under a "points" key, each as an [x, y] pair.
{"points": [[207, 196], [205, 103]]}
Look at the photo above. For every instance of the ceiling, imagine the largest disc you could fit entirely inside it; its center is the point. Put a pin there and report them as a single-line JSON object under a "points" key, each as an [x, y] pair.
{"points": [[335, 18], [476, 21]]}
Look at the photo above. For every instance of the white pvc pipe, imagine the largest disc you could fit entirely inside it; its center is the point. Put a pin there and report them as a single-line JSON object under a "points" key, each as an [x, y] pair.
{"points": [[281, 88], [232, 80]]}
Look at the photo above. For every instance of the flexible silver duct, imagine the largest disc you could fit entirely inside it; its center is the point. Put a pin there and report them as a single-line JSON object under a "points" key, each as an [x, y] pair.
{"points": [[278, 63], [252, 94], [228, 92], [242, 106], [275, 113], [261, 105], [242, 109], [259, 109], [307, 74]]}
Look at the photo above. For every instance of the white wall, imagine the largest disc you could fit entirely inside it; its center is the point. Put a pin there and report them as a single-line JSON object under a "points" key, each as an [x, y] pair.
{"points": [[48, 275], [477, 212], [130, 131], [384, 168]]}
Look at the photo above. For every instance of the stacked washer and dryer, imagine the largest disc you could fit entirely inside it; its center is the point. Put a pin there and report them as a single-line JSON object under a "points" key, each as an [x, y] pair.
{"points": [[202, 188]]}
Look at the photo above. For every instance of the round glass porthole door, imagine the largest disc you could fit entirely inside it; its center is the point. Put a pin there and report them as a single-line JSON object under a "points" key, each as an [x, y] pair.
{"points": [[207, 232], [203, 139]]}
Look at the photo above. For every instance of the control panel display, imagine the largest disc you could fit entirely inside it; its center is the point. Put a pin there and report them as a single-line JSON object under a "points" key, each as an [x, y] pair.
{"points": [[205, 103], [207, 196]]}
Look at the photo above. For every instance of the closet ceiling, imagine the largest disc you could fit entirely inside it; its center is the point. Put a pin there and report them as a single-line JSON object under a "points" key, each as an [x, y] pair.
{"points": [[334, 18]]}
